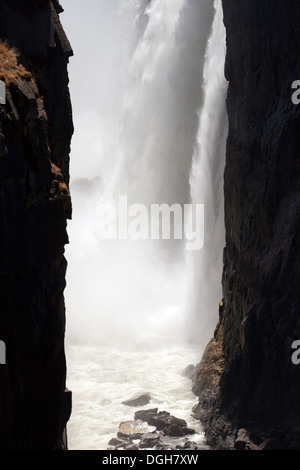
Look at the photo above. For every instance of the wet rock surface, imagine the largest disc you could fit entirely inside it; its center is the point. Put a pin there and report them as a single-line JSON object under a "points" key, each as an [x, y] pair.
{"points": [[153, 429], [139, 400]]}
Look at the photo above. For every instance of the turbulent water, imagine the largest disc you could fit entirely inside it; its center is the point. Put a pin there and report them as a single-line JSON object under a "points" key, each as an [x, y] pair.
{"points": [[101, 377], [149, 108]]}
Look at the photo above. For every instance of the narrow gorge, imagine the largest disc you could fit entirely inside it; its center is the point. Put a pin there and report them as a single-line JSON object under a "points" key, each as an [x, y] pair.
{"points": [[173, 102]]}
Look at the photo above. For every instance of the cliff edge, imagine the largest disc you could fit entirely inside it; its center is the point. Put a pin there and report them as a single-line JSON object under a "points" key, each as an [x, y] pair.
{"points": [[246, 379], [35, 134]]}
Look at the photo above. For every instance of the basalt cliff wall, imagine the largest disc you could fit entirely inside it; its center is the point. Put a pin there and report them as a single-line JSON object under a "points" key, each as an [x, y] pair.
{"points": [[35, 134], [246, 378]]}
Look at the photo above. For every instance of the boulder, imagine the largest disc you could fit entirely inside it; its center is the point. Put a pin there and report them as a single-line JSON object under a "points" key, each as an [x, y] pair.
{"points": [[132, 430], [131, 447], [145, 415], [139, 400], [175, 430], [188, 445], [149, 441], [116, 441], [190, 372], [164, 447], [242, 440], [163, 420]]}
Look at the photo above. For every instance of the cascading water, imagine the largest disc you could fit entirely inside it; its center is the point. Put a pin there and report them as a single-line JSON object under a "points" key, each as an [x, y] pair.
{"points": [[206, 179], [151, 128]]}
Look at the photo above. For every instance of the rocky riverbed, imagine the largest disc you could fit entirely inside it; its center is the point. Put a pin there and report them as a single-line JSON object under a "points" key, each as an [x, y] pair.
{"points": [[153, 429]]}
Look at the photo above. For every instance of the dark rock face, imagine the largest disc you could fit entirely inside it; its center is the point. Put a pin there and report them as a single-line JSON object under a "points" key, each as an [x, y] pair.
{"points": [[35, 134], [257, 387]]}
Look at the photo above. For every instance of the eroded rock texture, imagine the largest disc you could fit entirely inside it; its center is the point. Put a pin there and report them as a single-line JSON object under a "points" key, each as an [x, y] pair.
{"points": [[35, 133], [246, 378]]}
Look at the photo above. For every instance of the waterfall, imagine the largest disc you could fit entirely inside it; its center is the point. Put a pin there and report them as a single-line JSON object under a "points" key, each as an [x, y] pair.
{"points": [[148, 94], [206, 179], [156, 137]]}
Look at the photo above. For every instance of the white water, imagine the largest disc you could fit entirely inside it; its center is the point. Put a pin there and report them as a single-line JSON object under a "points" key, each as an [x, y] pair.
{"points": [[101, 377], [149, 107]]}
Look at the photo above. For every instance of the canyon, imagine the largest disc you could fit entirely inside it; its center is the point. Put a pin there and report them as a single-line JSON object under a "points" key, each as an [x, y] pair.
{"points": [[247, 384]]}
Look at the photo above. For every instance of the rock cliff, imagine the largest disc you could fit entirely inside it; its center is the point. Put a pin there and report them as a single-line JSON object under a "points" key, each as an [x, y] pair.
{"points": [[246, 378], [35, 134]]}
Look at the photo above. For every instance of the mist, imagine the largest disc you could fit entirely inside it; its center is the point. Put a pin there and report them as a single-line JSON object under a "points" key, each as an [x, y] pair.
{"points": [[150, 125]]}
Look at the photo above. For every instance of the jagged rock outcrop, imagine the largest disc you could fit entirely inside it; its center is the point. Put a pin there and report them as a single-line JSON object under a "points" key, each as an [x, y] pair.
{"points": [[35, 134], [153, 429], [246, 378]]}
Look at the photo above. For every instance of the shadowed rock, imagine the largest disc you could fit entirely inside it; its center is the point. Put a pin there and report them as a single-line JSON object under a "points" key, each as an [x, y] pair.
{"points": [[247, 375], [163, 420], [139, 400], [190, 372], [178, 431], [149, 440], [35, 133], [146, 415]]}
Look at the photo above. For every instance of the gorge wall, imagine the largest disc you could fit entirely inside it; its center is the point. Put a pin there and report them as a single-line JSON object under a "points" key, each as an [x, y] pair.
{"points": [[246, 378], [35, 133]]}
